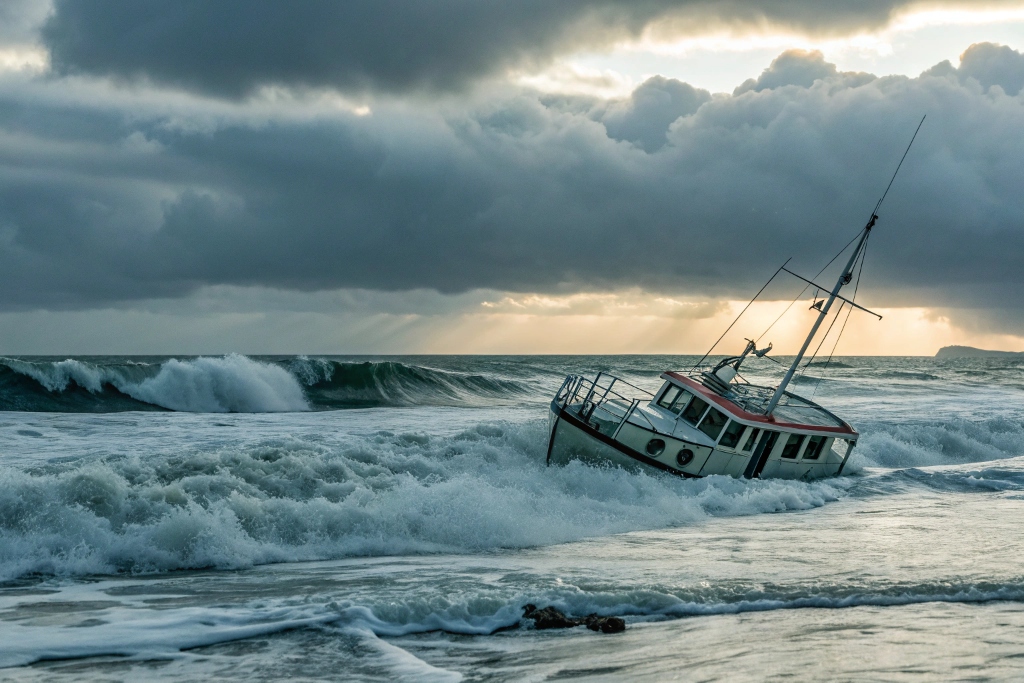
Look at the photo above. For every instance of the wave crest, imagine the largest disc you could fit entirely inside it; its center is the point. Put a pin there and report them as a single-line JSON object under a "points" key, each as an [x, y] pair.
{"points": [[232, 383], [344, 384], [236, 383], [383, 494], [939, 443]]}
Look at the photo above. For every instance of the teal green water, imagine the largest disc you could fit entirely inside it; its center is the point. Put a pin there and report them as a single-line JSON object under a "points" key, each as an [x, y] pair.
{"points": [[378, 519]]}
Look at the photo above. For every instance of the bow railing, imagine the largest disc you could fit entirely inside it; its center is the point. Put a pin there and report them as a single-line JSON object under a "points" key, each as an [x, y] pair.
{"points": [[615, 396]]}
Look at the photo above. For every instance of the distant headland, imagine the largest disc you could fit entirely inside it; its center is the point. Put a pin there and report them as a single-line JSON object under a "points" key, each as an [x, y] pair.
{"points": [[971, 352]]}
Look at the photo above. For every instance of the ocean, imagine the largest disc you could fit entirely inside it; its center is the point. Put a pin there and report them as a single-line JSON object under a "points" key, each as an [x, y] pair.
{"points": [[386, 518]]}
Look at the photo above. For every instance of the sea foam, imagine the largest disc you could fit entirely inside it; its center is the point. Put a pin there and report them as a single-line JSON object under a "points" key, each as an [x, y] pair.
{"points": [[233, 383], [306, 497], [947, 442], [292, 499], [120, 617]]}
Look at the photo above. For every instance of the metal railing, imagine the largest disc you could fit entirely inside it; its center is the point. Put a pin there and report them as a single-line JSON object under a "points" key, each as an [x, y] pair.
{"points": [[583, 396]]}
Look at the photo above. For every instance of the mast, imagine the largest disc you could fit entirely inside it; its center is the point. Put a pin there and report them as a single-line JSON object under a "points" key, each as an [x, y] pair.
{"points": [[844, 279]]}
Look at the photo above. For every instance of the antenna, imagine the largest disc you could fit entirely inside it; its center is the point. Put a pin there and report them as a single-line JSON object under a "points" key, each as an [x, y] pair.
{"points": [[844, 279], [898, 167]]}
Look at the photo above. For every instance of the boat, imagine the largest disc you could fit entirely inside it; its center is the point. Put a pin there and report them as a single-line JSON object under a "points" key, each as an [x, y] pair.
{"points": [[709, 420], [698, 424]]}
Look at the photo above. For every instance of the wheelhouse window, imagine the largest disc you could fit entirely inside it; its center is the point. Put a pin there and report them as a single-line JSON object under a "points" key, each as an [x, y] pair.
{"points": [[713, 422], [674, 399], [670, 395], [814, 447], [678, 404], [792, 446], [694, 411], [731, 435], [751, 440]]}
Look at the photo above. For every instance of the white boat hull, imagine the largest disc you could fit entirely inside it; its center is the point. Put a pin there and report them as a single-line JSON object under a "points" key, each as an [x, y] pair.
{"points": [[571, 438]]}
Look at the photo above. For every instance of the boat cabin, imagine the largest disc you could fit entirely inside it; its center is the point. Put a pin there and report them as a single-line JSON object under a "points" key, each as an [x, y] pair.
{"points": [[798, 436]]}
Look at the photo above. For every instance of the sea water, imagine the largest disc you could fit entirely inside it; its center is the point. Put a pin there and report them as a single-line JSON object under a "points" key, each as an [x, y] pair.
{"points": [[238, 518]]}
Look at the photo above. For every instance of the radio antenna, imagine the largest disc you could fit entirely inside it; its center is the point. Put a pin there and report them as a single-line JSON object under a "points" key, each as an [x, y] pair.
{"points": [[899, 166], [844, 279]]}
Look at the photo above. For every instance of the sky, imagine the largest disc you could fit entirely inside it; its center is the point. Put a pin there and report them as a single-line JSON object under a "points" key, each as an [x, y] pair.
{"points": [[469, 176]]}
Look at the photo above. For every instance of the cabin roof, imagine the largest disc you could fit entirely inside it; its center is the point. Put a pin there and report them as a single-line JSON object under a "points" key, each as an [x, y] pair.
{"points": [[793, 412]]}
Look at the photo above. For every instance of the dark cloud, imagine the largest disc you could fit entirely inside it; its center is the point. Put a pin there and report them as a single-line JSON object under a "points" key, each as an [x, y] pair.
{"points": [[108, 198], [230, 47], [645, 117]]}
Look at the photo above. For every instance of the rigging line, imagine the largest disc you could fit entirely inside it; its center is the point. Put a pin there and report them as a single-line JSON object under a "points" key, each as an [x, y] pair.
{"points": [[838, 254], [899, 165], [798, 296], [879, 204], [768, 329], [864, 253], [815, 354], [741, 315], [856, 287], [863, 257], [824, 370]]}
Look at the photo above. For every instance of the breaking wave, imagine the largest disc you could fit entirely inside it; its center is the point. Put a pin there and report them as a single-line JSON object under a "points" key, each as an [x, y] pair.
{"points": [[232, 383], [336, 384], [951, 442], [236, 383], [291, 500]]}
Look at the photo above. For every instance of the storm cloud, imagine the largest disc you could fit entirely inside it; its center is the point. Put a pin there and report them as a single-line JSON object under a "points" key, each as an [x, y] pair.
{"points": [[232, 47], [110, 196]]}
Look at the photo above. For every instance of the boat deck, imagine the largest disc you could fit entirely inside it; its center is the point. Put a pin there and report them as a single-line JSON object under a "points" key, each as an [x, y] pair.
{"points": [[748, 402]]}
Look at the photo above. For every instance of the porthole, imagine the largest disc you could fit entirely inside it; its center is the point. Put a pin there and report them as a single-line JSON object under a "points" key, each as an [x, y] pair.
{"points": [[655, 447], [684, 457]]}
